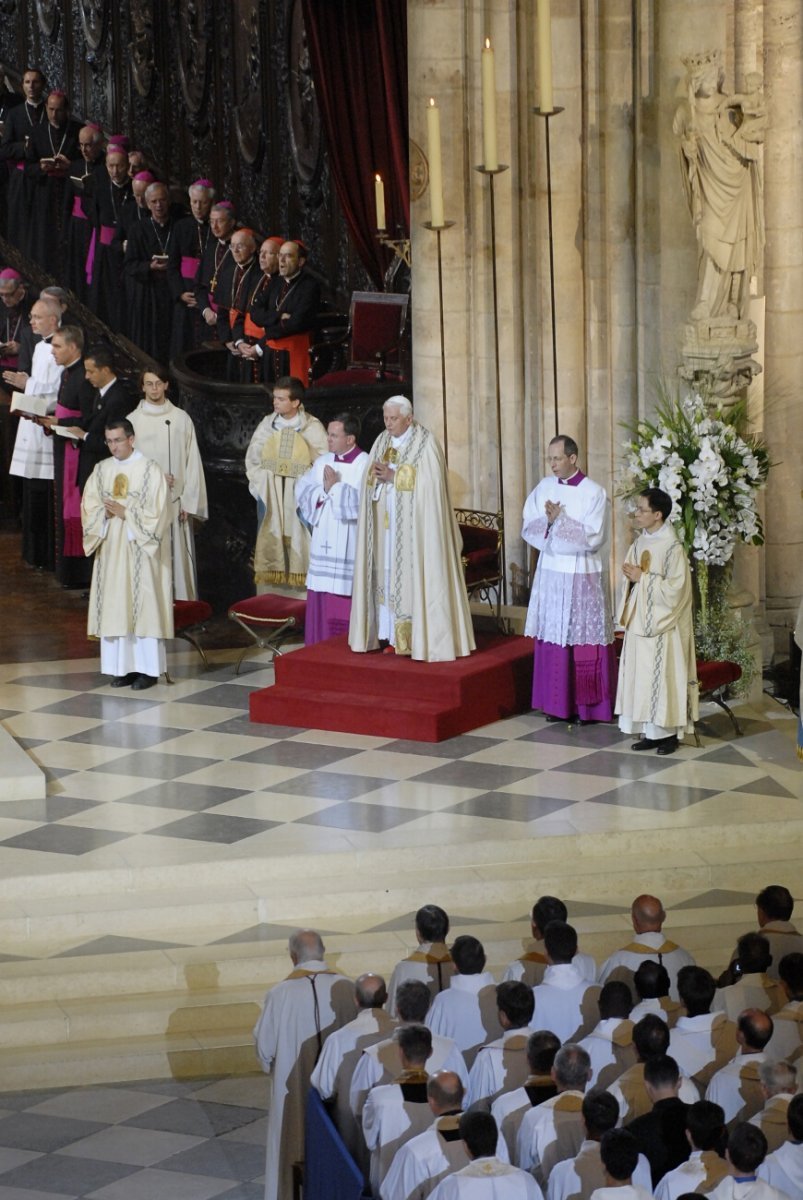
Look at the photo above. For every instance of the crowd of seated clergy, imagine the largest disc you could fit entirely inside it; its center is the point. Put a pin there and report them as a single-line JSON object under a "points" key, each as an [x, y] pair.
{"points": [[642, 1076]]}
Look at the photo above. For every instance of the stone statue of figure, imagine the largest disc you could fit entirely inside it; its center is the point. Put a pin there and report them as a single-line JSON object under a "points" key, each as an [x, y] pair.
{"points": [[720, 138]]}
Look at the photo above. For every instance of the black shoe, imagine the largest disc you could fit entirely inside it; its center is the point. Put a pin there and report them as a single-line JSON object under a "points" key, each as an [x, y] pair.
{"points": [[553, 720], [668, 745], [144, 681], [645, 744], [125, 680]]}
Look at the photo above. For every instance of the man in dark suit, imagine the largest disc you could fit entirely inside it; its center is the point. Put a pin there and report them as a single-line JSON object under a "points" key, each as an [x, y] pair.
{"points": [[72, 568], [106, 399], [661, 1134], [287, 312]]}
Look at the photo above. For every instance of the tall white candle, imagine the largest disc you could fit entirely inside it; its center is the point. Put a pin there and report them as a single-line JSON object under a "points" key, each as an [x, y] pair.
{"points": [[545, 56], [435, 164], [490, 153], [379, 192]]}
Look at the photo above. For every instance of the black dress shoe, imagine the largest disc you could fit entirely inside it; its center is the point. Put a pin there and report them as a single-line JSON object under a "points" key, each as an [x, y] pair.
{"points": [[125, 680], [144, 681], [645, 744], [553, 720], [667, 745]]}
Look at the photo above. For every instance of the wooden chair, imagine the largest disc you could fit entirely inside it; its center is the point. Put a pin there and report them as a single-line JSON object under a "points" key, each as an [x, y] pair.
{"points": [[483, 533], [373, 348]]}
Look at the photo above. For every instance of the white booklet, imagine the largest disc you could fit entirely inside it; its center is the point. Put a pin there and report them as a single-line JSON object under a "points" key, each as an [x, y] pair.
{"points": [[65, 431], [32, 406]]}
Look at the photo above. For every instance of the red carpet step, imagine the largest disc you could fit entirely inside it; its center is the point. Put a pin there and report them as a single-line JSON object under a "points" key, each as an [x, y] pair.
{"points": [[328, 687]]}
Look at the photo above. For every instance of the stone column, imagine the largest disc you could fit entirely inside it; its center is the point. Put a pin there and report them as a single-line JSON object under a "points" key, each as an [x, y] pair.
{"points": [[783, 274], [609, 219]]}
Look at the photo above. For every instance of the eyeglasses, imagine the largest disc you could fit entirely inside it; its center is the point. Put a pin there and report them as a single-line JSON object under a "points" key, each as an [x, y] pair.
{"points": [[116, 441]]}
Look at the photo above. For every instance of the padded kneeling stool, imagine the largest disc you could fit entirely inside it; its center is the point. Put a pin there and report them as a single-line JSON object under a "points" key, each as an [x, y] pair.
{"points": [[188, 620], [713, 678], [268, 618]]}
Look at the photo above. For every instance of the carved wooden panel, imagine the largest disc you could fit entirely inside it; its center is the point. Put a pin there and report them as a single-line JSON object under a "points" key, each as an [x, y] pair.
{"points": [[220, 88]]}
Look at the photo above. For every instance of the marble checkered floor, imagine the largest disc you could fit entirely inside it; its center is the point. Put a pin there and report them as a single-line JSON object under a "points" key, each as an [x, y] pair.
{"points": [[145, 903], [155, 1140]]}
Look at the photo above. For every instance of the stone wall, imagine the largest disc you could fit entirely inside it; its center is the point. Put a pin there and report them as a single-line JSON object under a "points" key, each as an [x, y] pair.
{"points": [[624, 246]]}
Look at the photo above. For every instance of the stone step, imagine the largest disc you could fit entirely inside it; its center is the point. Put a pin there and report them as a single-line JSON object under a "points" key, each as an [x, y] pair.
{"points": [[20, 777], [116, 1061]]}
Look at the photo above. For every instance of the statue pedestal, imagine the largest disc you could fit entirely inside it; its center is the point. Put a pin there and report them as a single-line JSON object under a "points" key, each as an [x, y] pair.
{"points": [[717, 354]]}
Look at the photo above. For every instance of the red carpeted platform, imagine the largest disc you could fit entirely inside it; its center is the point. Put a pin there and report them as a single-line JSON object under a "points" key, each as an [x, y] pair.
{"points": [[328, 687]]}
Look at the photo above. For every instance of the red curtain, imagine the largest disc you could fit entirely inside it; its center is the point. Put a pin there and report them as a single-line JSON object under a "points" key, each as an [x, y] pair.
{"points": [[358, 54]]}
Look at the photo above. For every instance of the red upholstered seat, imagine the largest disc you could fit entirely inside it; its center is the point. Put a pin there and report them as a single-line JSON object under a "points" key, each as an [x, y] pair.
{"points": [[187, 613], [269, 609], [714, 675], [268, 618], [480, 553], [188, 620]]}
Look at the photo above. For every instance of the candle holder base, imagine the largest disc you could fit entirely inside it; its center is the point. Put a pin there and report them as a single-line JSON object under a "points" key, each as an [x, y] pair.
{"points": [[553, 112], [438, 228], [483, 170], [399, 246]]}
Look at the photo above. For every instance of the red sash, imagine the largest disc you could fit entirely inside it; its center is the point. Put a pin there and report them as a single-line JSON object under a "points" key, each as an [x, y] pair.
{"points": [[297, 347], [78, 208]]}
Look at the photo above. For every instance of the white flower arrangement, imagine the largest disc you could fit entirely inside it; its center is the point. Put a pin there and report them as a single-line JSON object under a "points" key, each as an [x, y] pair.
{"points": [[710, 467]]}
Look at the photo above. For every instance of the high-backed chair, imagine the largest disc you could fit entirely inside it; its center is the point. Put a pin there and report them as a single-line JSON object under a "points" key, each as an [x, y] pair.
{"points": [[373, 348]]}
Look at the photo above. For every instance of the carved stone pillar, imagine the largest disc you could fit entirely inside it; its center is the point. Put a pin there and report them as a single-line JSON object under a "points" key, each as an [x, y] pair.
{"points": [[783, 272]]}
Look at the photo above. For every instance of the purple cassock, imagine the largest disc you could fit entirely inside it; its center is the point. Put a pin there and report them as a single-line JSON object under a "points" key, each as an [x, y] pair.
{"points": [[569, 616]]}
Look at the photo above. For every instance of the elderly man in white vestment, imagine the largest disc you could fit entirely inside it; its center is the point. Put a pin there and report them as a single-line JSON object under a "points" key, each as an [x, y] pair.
{"points": [[487, 1176], [554, 1131], [783, 1168], [342, 1051], [167, 435], [409, 590], [657, 695], [298, 1015], [647, 917], [125, 515], [779, 1085], [328, 499]]}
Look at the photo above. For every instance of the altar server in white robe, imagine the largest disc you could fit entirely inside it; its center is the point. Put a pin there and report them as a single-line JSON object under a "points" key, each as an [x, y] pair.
{"points": [[747, 1150], [125, 515], [657, 695], [167, 435], [409, 589], [32, 459], [328, 500], [467, 1010], [486, 1177], [298, 1015]]}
